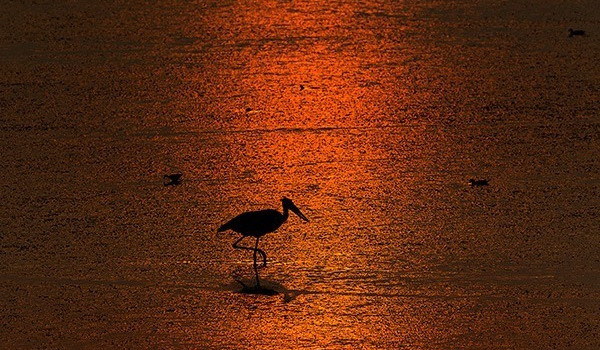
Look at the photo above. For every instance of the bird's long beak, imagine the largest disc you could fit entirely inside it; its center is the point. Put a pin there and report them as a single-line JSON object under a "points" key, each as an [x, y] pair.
{"points": [[298, 212]]}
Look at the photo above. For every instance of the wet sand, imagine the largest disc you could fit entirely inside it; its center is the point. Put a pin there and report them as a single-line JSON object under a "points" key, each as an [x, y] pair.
{"points": [[371, 116]]}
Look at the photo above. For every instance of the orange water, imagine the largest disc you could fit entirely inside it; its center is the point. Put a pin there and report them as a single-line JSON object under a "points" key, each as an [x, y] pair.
{"points": [[401, 104]]}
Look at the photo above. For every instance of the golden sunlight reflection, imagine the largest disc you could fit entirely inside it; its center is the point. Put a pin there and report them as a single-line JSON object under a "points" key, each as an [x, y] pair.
{"points": [[327, 145], [371, 116]]}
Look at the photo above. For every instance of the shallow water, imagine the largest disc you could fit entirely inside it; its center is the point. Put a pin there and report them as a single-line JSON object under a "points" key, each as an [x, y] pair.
{"points": [[401, 103]]}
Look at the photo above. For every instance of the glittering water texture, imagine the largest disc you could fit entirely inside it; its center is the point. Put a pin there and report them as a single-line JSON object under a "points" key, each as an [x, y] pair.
{"points": [[371, 116]]}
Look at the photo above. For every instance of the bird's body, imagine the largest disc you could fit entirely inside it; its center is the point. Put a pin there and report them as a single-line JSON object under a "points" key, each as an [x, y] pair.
{"points": [[257, 224]]}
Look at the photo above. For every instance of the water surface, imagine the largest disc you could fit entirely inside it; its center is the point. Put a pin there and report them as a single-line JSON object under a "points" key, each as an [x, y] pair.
{"points": [[371, 116]]}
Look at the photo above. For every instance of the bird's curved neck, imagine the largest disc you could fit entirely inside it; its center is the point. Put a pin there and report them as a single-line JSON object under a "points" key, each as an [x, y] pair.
{"points": [[286, 213]]}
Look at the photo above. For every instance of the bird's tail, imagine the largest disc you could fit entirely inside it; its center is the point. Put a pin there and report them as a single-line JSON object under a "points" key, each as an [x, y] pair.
{"points": [[224, 227]]}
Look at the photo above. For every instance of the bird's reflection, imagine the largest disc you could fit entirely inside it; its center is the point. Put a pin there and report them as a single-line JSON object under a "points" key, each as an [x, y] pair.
{"points": [[269, 288], [248, 288]]}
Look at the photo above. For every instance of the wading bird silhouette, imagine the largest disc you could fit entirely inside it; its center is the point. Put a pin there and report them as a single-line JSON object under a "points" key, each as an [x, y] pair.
{"points": [[258, 224]]}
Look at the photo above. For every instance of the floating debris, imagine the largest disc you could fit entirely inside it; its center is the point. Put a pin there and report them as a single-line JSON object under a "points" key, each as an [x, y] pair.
{"points": [[481, 182], [174, 179], [578, 32]]}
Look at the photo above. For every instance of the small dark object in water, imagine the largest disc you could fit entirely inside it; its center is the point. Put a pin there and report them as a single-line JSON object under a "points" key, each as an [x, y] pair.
{"points": [[474, 182], [573, 33], [301, 87], [174, 179]]}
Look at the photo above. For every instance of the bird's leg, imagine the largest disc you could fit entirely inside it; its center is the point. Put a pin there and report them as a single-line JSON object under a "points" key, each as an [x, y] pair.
{"points": [[262, 253], [255, 267], [236, 246], [264, 256], [255, 251]]}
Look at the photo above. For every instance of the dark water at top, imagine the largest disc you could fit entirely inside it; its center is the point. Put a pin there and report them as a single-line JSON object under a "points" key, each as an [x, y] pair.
{"points": [[371, 116]]}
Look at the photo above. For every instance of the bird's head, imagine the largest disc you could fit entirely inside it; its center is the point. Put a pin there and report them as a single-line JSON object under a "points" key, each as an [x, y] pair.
{"points": [[287, 203]]}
